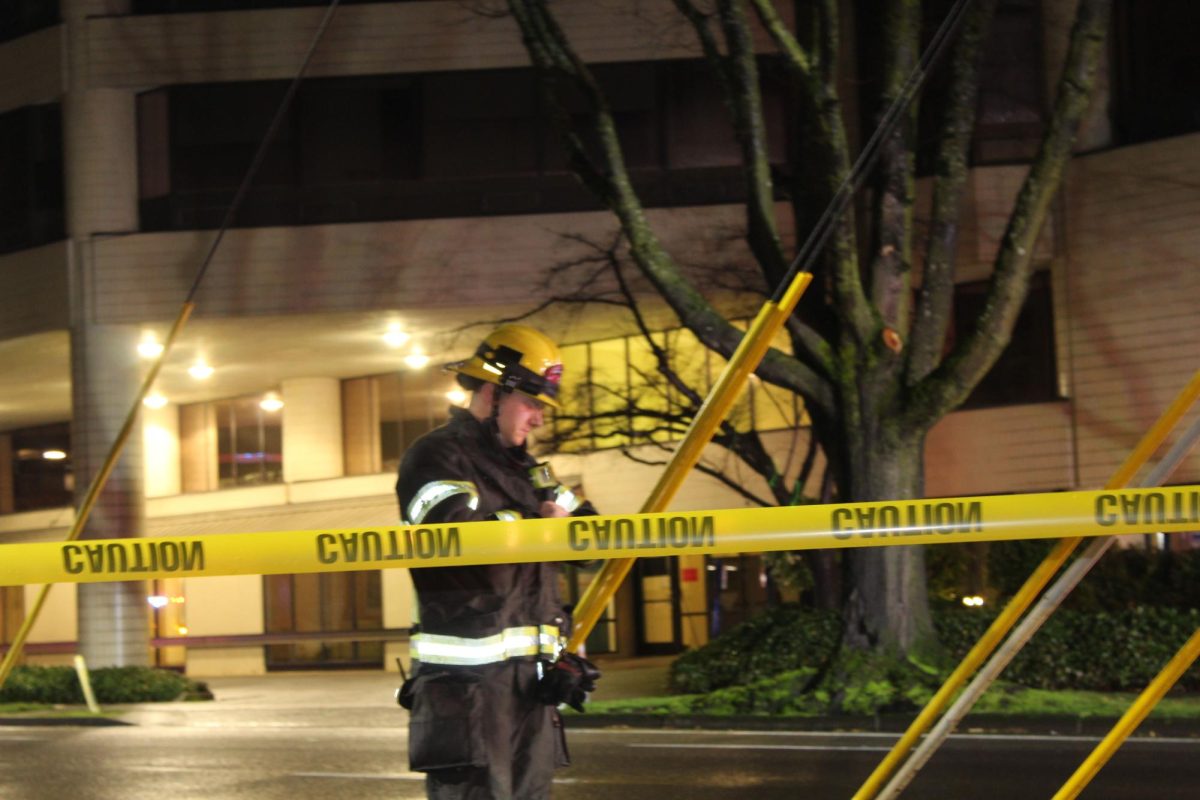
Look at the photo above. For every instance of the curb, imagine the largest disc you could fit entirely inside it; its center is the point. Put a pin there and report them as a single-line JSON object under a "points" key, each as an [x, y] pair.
{"points": [[1055, 725], [63, 721]]}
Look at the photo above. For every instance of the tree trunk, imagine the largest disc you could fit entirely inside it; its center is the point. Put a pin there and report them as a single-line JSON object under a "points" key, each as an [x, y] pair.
{"points": [[888, 607]]}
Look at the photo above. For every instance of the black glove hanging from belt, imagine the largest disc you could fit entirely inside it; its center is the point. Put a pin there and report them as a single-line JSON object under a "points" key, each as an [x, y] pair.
{"points": [[568, 680]]}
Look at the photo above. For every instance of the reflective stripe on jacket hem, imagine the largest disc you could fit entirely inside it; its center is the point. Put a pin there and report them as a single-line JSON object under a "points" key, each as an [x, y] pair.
{"points": [[528, 640]]}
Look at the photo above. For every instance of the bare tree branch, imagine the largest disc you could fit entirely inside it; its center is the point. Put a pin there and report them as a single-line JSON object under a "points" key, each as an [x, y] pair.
{"points": [[712, 472], [933, 310], [949, 384]]}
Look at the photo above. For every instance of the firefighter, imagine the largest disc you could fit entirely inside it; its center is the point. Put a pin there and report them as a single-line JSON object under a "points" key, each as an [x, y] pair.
{"points": [[487, 649]]}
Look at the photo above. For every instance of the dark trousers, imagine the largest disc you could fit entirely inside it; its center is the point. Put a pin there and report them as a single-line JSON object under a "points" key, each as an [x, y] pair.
{"points": [[522, 739]]}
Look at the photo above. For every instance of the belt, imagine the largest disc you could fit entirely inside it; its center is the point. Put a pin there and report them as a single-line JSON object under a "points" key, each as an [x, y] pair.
{"points": [[527, 640]]}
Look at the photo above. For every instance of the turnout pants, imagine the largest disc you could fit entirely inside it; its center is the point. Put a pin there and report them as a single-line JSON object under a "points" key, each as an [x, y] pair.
{"points": [[480, 733]]}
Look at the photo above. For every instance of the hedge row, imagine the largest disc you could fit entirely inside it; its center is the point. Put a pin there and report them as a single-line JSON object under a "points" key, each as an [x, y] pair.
{"points": [[60, 685], [1102, 651], [1125, 578]]}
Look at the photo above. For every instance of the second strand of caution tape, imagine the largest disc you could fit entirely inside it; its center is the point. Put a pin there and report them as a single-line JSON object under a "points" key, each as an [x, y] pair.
{"points": [[937, 521]]}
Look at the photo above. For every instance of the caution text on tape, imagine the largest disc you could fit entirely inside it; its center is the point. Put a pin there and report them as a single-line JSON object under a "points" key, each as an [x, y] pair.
{"points": [[940, 521]]}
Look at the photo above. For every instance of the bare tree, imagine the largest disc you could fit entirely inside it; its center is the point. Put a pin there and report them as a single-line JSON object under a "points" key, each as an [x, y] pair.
{"points": [[870, 358]]}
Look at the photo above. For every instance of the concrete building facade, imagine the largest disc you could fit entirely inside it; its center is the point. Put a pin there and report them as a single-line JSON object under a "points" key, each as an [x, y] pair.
{"points": [[290, 395]]}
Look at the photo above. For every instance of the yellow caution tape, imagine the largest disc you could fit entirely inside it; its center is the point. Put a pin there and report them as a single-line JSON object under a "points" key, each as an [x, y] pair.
{"points": [[747, 530]]}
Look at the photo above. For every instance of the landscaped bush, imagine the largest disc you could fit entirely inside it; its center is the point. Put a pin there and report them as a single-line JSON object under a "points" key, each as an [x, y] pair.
{"points": [[1101, 651], [1127, 577], [779, 640], [60, 685]]}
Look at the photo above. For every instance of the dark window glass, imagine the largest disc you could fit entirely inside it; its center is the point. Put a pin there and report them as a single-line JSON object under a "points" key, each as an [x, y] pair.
{"points": [[1026, 371], [189, 6], [31, 180], [1157, 69], [480, 123], [19, 17], [1010, 108], [249, 443], [438, 145], [41, 467], [412, 403], [336, 602]]}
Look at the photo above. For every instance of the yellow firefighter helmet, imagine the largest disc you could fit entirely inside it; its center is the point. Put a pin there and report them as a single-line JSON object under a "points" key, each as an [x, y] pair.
{"points": [[517, 358]]}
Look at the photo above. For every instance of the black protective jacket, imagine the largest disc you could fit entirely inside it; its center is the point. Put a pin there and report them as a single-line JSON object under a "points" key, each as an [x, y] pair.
{"points": [[479, 729], [460, 472]]}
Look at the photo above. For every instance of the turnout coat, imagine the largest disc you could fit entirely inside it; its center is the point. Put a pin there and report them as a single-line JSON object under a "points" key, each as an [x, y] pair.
{"points": [[484, 632]]}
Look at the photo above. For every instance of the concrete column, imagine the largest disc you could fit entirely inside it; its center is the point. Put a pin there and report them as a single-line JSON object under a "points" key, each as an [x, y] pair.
{"points": [[160, 447], [312, 429], [113, 617], [100, 168]]}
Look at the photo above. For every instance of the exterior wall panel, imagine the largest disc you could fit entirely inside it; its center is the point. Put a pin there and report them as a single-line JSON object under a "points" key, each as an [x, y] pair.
{"points": [[1133, 280], [31, 69]]}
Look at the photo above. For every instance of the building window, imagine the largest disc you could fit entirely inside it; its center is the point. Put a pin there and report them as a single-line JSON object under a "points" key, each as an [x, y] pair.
{"points": [[313, 604], [41, 467], [614, 395], [410, 405], [458, 144], [193, 6], [31, 178], [1157, 69], [1027, 370], [249, 442], [1010, 109]]}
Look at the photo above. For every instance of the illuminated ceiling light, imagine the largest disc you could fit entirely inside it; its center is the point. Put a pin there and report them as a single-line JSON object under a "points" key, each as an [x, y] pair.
{"points": [[271, 402], [974, 601], [200, 370], [457, 396], [149, 346], [182, 630], [158, 600], [154, 400], [54, 455], [395, 336], [416, 359]]}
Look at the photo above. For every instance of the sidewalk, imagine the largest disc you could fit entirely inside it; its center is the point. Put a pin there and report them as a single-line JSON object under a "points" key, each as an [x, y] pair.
{"points": [[366, 698], [329, 698]]}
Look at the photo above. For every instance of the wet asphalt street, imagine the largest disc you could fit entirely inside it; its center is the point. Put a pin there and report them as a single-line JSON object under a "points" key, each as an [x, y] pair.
{"points": [[319, 740]]}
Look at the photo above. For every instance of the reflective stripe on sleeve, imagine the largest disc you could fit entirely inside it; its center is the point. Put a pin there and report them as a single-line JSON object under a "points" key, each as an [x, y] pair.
{"points": [[509, 515], [528, 640], [435, 492]]}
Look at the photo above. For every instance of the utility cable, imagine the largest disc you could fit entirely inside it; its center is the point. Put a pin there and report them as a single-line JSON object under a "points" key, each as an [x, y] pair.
{"points": [[17, 646], [827, 222]]}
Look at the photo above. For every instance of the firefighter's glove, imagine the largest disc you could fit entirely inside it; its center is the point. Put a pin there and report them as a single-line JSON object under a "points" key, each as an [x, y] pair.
{"points": [[568, 680]]}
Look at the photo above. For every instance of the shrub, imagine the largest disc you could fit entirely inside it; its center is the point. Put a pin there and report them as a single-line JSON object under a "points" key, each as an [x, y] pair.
{"points": [[1102, 651], [778, 640], [60, 685]]}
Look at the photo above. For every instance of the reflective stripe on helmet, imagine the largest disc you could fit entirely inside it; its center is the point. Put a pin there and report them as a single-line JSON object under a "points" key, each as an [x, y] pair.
{"points": [[528, 640], [435, 492]]}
